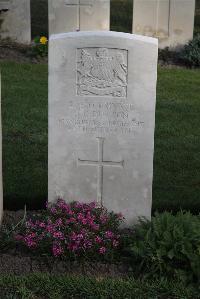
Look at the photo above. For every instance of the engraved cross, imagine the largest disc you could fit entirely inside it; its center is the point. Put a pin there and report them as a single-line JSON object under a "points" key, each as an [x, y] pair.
{"points": [[100, 163], [79, 5]]}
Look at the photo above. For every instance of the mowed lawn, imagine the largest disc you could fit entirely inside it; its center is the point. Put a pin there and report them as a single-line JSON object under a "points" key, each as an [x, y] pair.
{"points": [[25, 135]]}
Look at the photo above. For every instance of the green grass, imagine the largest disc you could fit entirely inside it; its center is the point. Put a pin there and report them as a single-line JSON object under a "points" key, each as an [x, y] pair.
{"points": [[24, 109], [177, 142], [64, 287]]}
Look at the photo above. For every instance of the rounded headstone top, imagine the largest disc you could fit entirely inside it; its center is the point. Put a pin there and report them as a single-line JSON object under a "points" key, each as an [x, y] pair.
{"points": [[103, 34]]}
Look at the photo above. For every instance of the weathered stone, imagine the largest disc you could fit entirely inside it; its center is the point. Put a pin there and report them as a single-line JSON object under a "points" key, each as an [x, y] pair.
{"points": [[102, 94], [75, 15], [4, 5], [171, 21], [15, 20]]}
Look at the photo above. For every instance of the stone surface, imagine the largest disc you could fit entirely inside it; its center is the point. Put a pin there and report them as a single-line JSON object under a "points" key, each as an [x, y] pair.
{"points": [[15, 20], [73, 15], [102, 94], [171, 21], [4, 5], [1, 179]]}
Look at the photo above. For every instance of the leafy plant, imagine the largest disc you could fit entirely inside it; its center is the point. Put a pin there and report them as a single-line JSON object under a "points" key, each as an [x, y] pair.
{"points": [[190, 54], [73, 230], [167, 246], [6, 234], [40, 47]]}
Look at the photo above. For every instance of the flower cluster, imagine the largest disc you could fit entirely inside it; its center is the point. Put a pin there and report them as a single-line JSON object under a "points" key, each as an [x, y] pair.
{"points": [[76, 228]]}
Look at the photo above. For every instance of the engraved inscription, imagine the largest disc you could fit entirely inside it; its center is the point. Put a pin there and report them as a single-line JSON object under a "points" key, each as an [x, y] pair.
{"points": [[102, 72], [100, 163], [101, 118]]}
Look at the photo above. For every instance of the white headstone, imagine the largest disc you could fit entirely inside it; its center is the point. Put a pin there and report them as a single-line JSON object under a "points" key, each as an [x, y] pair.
{"points": [[1, 179], [102, 94], [15, 20], [171, 21], [78, 15]]}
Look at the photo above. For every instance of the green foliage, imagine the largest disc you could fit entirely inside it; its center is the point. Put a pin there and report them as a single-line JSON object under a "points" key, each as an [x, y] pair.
{"points": [[121, 15], [167, 246], [46, 286], [190, 54], [24, 113], [40, 47]]}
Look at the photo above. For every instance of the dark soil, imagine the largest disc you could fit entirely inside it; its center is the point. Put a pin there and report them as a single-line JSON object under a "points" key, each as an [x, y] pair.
{"points": [[19, 262], [23, 265], [11, 51]]}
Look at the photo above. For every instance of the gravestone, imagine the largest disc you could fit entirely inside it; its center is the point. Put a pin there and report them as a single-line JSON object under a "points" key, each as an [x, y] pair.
{"points": [[102, 94], [15, 20], [78, 15], [4, 5], [1, 180], [171, 21]]}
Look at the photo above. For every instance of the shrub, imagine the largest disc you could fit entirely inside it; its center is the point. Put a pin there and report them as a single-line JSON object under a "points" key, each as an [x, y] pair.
{"points": [[190, 54], [73, 230], [168, 245]]}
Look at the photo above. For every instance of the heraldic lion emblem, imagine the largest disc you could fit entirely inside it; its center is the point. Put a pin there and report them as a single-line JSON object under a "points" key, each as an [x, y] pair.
{"points": [[102, 72]]}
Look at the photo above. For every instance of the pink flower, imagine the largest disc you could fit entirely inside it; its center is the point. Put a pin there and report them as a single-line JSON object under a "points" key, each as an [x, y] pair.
{"points": [[109, 235], [57, 249], [87, 244], [115, 243], [98, 239], [73, 247], [53, 210], [103, 219], [30, 224], [95, 226], [80, 217], [84, 221], [42, 225], [58, 235], [92, 205], [59, 222], [19, 237], [71, 220], [50, 228], [102, 250], [29, 242], [120, 216]]}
